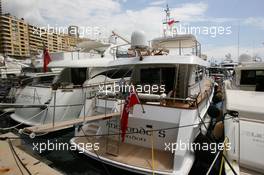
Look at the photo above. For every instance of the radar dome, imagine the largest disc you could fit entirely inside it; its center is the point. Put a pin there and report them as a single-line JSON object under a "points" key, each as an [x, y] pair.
{"points": [[245, 58], [138, 40]]}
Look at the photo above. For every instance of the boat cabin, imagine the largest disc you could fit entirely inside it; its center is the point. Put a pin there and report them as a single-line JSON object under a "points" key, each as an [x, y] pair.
{"points": [[249, 76], [162, 80], [178, 45]]}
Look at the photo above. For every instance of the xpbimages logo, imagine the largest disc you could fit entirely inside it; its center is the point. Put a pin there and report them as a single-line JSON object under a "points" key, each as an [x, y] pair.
{"points": [[126, 88], [212, 147], [212, 31], [82, 31], [63, 146]]}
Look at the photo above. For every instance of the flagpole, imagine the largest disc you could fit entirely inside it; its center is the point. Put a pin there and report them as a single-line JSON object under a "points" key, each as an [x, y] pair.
{"points": [[142, 107]]}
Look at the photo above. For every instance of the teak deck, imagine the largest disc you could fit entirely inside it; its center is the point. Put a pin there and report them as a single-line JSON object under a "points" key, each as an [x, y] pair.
{"points": [[66, 124], [134, 155]]}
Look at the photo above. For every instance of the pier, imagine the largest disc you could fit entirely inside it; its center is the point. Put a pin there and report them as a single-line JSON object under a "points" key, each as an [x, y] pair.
{"points": [[9, 163]]}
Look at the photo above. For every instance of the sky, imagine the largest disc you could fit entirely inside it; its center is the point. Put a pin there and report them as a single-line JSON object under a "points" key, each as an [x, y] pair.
{"points": [[243, 19]]}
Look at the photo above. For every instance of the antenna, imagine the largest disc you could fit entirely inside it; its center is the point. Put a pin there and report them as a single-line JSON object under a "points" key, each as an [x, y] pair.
{"points": [[238, 40], [119, 36], [167, 10], [168, 22]]}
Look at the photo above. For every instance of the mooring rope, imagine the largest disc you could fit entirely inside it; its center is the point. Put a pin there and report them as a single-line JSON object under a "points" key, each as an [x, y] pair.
{"points": [[21, 123]]}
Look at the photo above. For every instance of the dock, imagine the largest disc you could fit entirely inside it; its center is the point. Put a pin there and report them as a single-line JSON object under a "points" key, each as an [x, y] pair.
{"points": [[67, 124], [8, 165], [240, 170]]}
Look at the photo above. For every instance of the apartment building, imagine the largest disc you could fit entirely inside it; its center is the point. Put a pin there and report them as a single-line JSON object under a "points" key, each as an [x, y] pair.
{"points": [[14, 36], [21, 40]]}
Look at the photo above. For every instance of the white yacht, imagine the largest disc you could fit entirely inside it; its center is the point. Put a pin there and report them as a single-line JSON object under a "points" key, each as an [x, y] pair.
{"points": [[185, 100], [59, 97], [10, 67], [229, 65], [244, 101], [173, 90]]}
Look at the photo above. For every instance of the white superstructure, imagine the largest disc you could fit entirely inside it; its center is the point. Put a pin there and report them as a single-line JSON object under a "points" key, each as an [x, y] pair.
{"points": [[244, 101], [60, 97], [184, 101]]}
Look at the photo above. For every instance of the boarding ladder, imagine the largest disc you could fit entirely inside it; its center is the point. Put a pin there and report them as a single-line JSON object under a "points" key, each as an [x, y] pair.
{"points": [[113, 137]]}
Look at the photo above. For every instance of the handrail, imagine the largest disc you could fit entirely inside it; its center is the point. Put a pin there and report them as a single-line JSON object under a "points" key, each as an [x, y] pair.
{"points": [[188, 99]]}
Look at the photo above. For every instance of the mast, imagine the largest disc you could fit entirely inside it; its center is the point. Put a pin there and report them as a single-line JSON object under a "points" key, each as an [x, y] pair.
{"points": [[168, 23], [238, 40], [0, 7]]}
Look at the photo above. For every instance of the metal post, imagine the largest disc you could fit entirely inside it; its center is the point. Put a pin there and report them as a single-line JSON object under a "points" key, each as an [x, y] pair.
{"points": [[84, 105], [196, 49], [180, 51], [34, 95], [53, 119]]}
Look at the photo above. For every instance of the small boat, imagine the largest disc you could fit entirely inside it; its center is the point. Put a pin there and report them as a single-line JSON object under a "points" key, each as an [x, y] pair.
{"points": [[244, 103]]}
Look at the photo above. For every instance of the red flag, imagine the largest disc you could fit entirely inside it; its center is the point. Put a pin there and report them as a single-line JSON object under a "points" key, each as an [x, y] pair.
{"points": [[171, 22], [47, 59], [131, 100]]}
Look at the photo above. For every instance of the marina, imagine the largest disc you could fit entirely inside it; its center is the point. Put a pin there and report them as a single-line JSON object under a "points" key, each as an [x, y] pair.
{"points": [[9, 148], [127, 99]]}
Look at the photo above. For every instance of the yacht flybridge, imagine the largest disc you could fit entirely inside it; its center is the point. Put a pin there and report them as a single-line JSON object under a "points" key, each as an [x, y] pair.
{"points": [[244, 100], [172, 90]]}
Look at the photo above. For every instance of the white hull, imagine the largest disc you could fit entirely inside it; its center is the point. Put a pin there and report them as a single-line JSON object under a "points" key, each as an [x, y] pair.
{"points": [[158, 117], [186, 167], [244, 95], [246, 139], [68, 105]]}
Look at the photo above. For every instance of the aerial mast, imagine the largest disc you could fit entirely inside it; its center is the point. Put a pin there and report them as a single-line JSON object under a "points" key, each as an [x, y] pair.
{"points": [[168, 23]]}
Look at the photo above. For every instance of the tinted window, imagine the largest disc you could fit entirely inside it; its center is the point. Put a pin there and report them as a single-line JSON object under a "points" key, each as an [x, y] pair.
{"points": [[158, 76], [43, 80], [115, 74], [150, 76], [78, 75], [248, 77]]}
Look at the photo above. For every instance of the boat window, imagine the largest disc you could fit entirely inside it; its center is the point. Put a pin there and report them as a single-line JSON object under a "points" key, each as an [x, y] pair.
{"points": [[34, 70], [43, 80], [260, 73], [158, 76], [117, 73], [260, 81], [74, 76], [78, 75], [199, 74], [248, 77], [213, 71], [150, 76]]}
